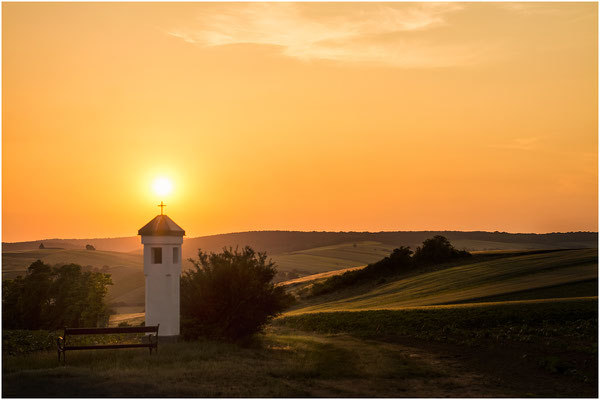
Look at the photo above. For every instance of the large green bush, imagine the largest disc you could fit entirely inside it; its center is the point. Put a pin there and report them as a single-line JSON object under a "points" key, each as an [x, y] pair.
{"points": [[26, 341], [52, 297], [230, 295]]}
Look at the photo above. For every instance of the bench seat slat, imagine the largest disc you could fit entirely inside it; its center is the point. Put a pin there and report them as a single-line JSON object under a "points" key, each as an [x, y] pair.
{"points": [[101, 331], [109, 346]]}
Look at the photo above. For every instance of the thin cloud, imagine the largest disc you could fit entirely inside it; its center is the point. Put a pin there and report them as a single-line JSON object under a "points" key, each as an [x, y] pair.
{"points": [[567, 11], [522, 8], [524, 143], [385, 34]]}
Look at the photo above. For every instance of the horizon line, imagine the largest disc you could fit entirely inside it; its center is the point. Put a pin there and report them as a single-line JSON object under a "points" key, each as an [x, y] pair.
{"points": [[315, 231]]}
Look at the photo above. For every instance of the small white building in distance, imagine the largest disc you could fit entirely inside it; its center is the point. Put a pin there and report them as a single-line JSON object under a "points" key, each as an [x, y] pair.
{"points": [[162, 239]]}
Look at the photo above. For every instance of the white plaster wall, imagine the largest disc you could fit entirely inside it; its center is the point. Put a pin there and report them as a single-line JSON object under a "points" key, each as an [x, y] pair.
{"points": [[162, 284]]}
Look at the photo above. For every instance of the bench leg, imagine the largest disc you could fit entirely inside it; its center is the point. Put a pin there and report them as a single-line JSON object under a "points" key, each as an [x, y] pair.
{"points": [[61, 356], [153, 343]]}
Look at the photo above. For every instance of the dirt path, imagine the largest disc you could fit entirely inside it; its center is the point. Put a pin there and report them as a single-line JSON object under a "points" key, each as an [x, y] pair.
{"points": [[321, 275], [130, 318], [413, 368], [383, 369], [515, 370]]}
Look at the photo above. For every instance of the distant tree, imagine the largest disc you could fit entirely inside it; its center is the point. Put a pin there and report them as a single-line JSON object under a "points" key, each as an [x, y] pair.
{"points": [[53, 297], [398, 261], [230, 295], [89, 247], [436, 250], [42, 246]]}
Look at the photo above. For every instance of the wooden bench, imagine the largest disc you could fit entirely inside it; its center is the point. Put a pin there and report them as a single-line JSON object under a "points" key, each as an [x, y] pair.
{"points": [[63, 347]]}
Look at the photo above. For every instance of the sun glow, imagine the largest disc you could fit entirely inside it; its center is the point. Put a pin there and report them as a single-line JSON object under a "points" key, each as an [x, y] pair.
{"points": [[162, 186]]}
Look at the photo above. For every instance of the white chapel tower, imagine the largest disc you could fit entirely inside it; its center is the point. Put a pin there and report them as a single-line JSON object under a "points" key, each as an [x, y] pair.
{"points": [[162, 239]]}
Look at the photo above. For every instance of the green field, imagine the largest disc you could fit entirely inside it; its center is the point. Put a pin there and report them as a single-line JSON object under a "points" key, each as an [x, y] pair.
{"points": [[587, 288], [330, 258], [464, 282], [570, 320]]}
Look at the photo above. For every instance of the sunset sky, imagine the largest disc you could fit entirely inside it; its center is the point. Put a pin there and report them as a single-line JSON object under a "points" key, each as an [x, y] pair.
{"points": [[298, 116]]}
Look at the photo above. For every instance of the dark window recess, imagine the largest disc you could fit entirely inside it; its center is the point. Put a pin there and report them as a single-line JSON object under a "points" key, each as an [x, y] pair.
{"points": [[175, 255], [157, 255]]}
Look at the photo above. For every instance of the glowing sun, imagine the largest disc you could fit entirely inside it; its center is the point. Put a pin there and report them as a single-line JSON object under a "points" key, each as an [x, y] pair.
{"points": [[162, 186]]}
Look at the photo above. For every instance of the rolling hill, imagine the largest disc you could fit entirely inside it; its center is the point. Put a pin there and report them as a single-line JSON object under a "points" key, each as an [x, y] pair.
{"points": [[291, 251], [467, 283], [301, 263]]}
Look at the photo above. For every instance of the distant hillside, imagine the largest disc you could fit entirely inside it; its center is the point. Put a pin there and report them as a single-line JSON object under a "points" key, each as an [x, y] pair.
{"points": [[279, 242], [573, 270], [122, 245]]}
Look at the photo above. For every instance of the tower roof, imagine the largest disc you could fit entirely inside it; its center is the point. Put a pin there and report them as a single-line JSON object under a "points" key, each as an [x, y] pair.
{"points": [[161, 225]]}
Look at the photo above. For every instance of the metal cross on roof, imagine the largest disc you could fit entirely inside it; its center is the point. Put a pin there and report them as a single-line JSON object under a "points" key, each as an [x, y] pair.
{"points": [[161, 205]]}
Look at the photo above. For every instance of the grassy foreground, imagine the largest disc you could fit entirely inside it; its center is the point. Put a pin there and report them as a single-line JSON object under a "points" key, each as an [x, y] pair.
{"points": [[276, 365], [538, 349], [378, 340]]}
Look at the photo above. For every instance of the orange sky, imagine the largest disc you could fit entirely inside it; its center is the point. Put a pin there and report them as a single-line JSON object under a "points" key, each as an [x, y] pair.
{"points": [[377, 116]]}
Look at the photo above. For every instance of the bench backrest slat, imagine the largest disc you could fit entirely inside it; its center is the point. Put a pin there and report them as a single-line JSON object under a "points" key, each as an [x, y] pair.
{"points": [[99, 331]]}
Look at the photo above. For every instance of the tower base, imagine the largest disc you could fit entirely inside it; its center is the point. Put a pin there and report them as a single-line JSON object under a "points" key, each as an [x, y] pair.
{"points": [[169, 339]]}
